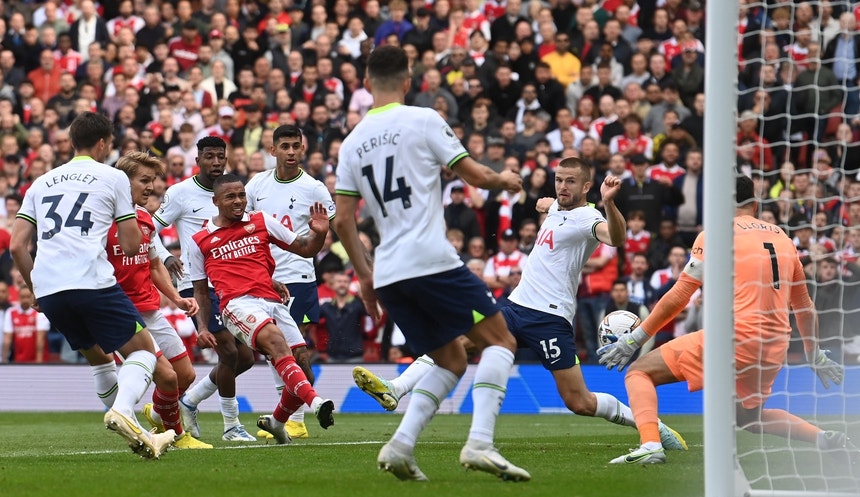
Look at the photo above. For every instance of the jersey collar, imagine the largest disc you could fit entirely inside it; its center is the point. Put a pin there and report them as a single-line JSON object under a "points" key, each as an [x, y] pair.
{"points": [[384, 108], [197, 182], [294, 178]]}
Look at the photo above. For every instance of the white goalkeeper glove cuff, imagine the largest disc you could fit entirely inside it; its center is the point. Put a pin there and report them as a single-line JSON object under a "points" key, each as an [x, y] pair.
{"points": [[618, 354]]}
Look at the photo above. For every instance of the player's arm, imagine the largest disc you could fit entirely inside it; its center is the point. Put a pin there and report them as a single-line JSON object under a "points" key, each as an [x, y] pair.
{"points": [[41, 338], [23, 230], [129, 236], [614, 231], [825, 368], [347, 230], [477, 174], [7, 345], [201, 294], [307, 245], [161, 279], [167, 214]]}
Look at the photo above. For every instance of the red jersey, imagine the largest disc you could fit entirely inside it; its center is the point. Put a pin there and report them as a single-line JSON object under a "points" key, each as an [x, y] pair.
{"points": [[185, 53], [660, 171], [642, 144], [24, 325], [635, 244], [238, 259], [132, 273]]}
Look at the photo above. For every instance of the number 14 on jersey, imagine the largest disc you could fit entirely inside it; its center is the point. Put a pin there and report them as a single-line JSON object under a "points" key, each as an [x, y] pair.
{"points": [[403, 191]]}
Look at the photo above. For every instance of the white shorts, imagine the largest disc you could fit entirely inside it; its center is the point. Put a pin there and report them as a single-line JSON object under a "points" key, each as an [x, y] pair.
{"points": [[245, 316], [164, 335]]}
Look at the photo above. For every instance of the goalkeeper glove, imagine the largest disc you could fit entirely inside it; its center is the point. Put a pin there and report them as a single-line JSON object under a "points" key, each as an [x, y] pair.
{"points": [[827, 369], [618, 354]]}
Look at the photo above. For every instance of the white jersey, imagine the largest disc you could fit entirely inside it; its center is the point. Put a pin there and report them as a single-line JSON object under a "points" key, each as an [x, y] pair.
{"points": [[553, 271], [73, 208], [289, 202], [392, 160], [188, 205]]}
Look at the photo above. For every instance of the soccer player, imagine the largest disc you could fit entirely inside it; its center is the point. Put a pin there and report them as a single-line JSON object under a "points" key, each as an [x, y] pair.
{"points": [[188, 205], [542, 306], [68, 211], [287, 193], [233, 251], [769, 282], [392, 159], [141, 277]]}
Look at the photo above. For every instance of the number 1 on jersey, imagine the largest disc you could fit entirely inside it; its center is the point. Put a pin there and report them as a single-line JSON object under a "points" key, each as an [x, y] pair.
{"points": [[774, 263], [403, 191]]}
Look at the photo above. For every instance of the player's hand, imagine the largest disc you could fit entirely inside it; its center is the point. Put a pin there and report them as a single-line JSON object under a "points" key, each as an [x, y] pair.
{"points": [[319, 219], [617, 354], [827, 369], [370, 300], [282, 290], [206, 340], [610, 188], [511, 181], [174, 266], [189, 305], [543, 204]]}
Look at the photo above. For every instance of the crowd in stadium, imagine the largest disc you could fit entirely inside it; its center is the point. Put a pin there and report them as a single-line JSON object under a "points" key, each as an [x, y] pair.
{"points": [[523, 83]]}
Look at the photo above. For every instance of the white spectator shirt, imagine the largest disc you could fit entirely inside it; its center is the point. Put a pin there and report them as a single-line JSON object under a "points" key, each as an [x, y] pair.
{"points": [[73, 207], [289, 202], [392, 160], [553, 270], [187, 205]]}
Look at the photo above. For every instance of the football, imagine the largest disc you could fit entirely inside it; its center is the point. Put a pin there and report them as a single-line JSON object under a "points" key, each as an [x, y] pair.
{"points": [[615, 324]]}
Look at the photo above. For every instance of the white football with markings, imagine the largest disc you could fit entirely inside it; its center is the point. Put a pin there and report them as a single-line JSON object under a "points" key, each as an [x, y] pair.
{"points": [[616, 324]]}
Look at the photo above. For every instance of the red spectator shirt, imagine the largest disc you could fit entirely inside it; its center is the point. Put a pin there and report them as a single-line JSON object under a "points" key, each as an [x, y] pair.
{"points": [[660, 171], [635, 244], [25, 323], [132, 273], [185, 53]]}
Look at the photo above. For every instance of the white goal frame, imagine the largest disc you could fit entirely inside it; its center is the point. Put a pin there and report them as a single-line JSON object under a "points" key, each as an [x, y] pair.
{"points": [[723, 474]]}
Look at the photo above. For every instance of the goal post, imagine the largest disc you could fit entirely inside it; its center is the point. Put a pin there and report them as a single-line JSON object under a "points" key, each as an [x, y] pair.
{"points": [[763, 465]]}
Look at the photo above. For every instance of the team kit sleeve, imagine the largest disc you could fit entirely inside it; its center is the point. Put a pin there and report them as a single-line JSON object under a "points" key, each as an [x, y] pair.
{"points": [[695, 267], [27, 210], [196, 263], [280, 234], [124, 208], [322, 195], [170, 210], [443, 142], [346, 183], [42, 322], [588, 223]]}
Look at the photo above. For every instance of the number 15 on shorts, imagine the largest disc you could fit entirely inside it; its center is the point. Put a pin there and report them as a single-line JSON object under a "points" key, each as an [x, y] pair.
{"points": [[550, 349]]}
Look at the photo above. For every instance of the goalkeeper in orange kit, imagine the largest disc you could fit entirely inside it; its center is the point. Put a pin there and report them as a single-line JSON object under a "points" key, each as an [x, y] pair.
{"points": [[769, 282]]}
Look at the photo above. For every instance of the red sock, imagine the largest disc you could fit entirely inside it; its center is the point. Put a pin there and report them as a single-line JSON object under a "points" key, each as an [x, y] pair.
{"points": [[295, 380], [166, 404], [288, 405]]}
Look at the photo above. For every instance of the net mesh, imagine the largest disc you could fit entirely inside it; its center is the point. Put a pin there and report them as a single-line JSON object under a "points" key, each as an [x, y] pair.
{"points": [[799, 63]]}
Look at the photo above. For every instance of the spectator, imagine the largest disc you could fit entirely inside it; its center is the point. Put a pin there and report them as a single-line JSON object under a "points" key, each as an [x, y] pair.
{"points": [[25, 331], [691, 185], [598, 273], [642, 193], [88, 28], [817, 92], [342, 317]]}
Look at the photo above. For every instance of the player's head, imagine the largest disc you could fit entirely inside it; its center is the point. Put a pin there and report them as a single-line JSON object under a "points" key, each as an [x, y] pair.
{"points": [[142, 169], [288, 148], [211, 158], [388, 69], [93, 133], [572, 182], [229, 197], [745, 193]]}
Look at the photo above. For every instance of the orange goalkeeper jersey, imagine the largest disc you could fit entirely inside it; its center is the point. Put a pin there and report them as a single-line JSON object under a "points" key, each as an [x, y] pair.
{"points": [[768, 282]]}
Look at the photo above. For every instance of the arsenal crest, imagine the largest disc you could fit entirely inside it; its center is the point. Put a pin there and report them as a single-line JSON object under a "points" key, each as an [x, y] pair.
{"points": [[250, 227], [251, 319], [145, 230]]}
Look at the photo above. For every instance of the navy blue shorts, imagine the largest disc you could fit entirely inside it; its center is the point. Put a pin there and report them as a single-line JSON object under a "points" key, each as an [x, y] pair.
{"points": [[215, 322], [434, 310], [304, 303], [548, 335], [104, 317]]}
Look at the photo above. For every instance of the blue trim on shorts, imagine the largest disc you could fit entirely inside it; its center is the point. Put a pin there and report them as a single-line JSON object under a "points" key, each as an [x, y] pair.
{"points": [[104, 317], [433, 310], [304, 302], [549, 336], [215, 322]]}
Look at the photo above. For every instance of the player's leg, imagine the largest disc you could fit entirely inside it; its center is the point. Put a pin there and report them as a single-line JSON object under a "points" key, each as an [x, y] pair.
{"points": [[389, 392], [103, 367], [252, 320], [675, 361], [304, 309]]}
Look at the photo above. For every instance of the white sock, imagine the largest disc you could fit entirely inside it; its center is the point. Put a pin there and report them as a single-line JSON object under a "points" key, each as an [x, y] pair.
{"points": [[404, 383], [230, 412], [315, 404], [613, 410], [104, 376], [133, 379], [298, 416], [430, 391], [199, 392], [488, 391]]}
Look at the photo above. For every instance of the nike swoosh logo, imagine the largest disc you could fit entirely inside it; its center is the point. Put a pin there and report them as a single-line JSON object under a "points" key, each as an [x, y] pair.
{"points": [[500, 466], [635, 459], [259, 199], [555, 361], [197, 209]]}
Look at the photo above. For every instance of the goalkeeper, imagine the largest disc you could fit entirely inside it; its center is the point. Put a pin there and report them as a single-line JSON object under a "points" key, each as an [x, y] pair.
{"points": [[769, 282]]}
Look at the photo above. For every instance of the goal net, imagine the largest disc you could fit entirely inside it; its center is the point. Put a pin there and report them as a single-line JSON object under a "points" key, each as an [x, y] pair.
{"points": [[797, 137]]}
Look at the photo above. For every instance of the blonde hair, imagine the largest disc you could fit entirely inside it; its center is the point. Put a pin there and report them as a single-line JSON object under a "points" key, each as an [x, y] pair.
{"points": [[131, 162]]}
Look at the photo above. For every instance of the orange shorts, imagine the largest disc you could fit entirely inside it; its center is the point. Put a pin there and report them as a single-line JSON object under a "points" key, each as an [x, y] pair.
{"points": [[685, 358]]}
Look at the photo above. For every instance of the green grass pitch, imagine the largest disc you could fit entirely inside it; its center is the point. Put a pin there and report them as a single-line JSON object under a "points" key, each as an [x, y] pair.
{"points": [[70, 455]]}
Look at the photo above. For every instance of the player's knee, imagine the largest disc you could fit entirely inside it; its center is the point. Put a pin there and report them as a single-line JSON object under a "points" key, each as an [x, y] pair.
{"points": [[165, 379], [244, 360], [578, 404]]}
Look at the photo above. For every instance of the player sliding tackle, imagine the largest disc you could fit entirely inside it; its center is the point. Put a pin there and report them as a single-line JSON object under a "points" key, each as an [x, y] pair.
{"points": [[542, 306], [769, 283], [233, 251]]}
